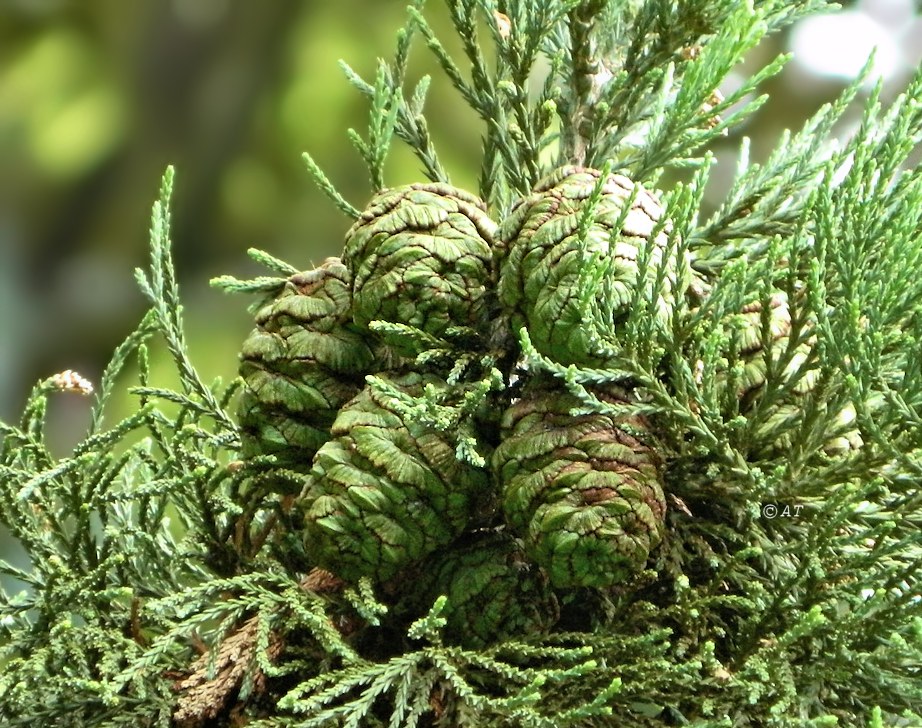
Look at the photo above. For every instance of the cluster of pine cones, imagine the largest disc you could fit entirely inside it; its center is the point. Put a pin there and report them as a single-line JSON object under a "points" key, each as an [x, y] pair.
{"points": [[496, 496]]}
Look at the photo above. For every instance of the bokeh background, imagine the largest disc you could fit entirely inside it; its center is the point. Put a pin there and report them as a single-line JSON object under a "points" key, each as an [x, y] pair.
{"points": [[98, 96]]}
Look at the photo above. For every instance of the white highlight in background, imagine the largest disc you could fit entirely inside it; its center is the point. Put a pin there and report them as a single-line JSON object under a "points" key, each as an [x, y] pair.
{"points": [[838, 46]]}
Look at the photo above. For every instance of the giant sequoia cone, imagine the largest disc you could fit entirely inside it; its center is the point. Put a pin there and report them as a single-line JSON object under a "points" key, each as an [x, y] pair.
{"points": [[750, 385], [543, 280], [752, 352], [301, 363], [387, 490], [421, 255], [585, 495], [494, 592]]}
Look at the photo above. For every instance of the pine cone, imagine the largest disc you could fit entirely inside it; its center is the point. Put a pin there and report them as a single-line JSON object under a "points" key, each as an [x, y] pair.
{"points": [[751, 349], [421, 255], [751, 383], [585, 495], [300, 364], [844, 436], [387, 490], [542, 275], [493, 592]]}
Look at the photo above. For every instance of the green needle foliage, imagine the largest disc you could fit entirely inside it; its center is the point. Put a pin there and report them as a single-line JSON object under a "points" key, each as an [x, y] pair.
{"points": [[561, 451]]}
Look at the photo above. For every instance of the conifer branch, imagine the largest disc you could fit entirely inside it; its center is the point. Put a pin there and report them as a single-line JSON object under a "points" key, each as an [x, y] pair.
{"points": [[559, 454]]}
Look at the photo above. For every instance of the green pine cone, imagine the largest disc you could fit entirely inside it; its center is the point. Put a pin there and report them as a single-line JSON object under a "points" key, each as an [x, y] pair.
{"points": [[421, 255], [388, 490], [585, 495], [543, 274], [844, 437], [751, 383], [751, 349], [493, 592], [301, 363]]}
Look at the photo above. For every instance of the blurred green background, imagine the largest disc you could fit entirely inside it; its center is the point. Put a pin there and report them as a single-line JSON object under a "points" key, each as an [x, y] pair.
{"points": [[98, 96]]}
